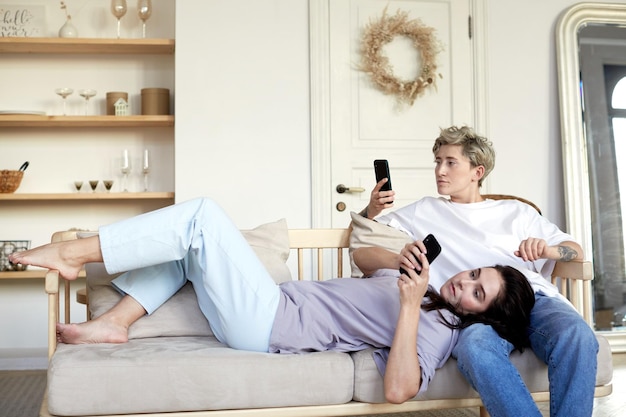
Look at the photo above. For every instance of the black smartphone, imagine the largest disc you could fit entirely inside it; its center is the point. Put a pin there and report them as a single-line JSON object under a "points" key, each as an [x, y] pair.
{"points": [[381, 167], [433, 249]]}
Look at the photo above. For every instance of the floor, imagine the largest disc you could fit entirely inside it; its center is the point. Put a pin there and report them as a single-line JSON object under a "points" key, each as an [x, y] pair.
{"points": [[615, 404]]}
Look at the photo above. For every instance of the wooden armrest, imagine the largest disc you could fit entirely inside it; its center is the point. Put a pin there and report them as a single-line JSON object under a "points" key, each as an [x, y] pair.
{"points": [[575, 284], [573, 270], [52, 289], [52, 282]]}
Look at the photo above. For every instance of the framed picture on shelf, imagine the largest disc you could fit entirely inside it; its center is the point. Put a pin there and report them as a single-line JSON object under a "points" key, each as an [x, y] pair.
{"points": [[22, 20]]}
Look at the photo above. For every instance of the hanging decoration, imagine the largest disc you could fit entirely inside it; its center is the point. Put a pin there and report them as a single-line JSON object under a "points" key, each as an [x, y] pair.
{"points": [[376, 64]]}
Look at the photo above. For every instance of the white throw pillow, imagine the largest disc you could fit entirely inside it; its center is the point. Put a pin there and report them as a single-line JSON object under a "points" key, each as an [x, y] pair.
{"points": [[368, 233]]}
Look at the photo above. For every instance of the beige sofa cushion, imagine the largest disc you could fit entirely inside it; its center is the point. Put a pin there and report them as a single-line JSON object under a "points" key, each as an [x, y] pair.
{"points": [[190, 373], [367, 233], [180, 315], [449, 383]]}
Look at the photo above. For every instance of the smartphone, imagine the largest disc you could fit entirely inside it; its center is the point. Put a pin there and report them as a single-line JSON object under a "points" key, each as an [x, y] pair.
{"points": [[381, 167], [433, 249]]}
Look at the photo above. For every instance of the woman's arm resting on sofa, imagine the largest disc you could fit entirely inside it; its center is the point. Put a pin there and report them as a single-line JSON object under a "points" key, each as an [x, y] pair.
{"points": [[532, 249], [403, 375], [371, 259]]}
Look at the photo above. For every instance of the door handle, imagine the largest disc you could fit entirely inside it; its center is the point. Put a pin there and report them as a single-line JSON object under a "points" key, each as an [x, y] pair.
{"points": [[343, 189]]}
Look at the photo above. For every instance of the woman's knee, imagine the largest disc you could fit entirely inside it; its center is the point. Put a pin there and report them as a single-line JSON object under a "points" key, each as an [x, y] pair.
{"points": [[564, 336], [480, 342], [577, 333]]}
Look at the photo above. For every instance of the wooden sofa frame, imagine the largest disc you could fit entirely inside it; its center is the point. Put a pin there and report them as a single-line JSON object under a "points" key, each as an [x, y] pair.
{"points": [[574, 279]]}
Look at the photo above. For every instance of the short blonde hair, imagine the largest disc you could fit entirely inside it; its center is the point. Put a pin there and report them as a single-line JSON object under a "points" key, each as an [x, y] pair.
{"points": [[477, 149]]}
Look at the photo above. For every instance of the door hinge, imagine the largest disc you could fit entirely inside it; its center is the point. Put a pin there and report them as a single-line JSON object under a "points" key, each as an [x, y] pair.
{"points": [[469, 27]]}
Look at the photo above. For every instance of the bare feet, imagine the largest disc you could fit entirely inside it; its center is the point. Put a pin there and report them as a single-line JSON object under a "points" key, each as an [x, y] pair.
{"points": [[110, 327], [66, 257], [95, 331]]}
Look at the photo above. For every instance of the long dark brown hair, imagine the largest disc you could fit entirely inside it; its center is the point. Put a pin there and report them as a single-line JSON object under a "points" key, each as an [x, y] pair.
{"points": [[508, 313]]}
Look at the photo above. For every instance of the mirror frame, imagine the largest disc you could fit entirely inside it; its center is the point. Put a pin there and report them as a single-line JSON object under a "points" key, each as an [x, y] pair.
{"points": [[574, 144]]}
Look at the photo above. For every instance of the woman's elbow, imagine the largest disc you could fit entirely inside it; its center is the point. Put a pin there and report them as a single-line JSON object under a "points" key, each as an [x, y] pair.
{"points": [[399, 396]]}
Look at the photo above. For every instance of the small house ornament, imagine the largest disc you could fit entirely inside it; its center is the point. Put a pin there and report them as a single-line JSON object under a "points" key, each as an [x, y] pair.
{"points": [[121, 107]]}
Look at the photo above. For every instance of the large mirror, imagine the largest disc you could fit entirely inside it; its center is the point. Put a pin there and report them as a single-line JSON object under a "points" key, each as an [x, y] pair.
{"points": [[591, 57]]}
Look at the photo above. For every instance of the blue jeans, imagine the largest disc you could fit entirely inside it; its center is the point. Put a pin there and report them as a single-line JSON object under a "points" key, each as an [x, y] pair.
{"points": [[558, 336]]}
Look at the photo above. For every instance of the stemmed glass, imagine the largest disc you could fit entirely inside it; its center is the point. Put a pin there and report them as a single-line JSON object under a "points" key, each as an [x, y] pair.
{"points": [[144, 11], [108, 184], [93, 184], [118, 8], [125, 168], [146, 169], [87, 94], [64, 93]]}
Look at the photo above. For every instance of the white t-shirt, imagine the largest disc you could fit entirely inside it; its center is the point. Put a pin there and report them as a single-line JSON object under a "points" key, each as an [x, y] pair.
{"points": [[478, 235]]}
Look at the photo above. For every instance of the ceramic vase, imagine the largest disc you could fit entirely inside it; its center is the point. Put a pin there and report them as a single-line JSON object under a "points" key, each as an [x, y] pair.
{"points": [[68, 30]]}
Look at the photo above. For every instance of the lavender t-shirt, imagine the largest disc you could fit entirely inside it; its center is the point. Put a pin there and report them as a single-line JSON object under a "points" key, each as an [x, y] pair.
{"points": [[352, 314]]}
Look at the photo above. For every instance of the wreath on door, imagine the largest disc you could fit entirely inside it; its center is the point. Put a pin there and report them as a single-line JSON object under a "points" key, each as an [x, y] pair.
{"points": [[373, 61]]}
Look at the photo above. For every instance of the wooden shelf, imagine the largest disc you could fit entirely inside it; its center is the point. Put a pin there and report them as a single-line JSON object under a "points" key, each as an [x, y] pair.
{"points": [[76, 46], [86, 196], [30, 274], [19, 120]]}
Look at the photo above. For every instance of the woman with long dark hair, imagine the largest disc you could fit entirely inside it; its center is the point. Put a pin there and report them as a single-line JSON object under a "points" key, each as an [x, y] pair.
{"points": [[195, 241]]}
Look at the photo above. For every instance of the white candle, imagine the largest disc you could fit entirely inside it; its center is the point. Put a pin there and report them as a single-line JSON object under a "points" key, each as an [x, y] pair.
{"points": [[125, 163]]}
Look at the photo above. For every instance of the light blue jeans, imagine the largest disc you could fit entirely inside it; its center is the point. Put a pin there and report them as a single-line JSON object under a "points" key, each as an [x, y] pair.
{"points": [[195, 241], [558, 336]]}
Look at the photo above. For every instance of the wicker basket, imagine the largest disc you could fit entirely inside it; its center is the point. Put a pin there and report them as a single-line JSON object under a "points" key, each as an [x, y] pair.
{"points": [[10, 180]]}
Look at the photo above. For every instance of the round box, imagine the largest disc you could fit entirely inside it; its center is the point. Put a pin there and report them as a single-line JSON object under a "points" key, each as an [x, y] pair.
{"points": [[112, 97], [155, 101]]}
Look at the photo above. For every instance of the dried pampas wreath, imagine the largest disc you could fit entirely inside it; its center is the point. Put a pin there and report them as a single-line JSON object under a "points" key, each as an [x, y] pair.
{"points": [[376, 64]]}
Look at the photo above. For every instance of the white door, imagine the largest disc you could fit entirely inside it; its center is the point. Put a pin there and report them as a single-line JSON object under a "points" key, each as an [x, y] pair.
{"points": [[365, 124]]}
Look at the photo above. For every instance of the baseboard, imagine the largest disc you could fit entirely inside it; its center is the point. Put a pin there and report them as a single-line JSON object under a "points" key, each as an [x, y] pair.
{"points": [[23, 359]]}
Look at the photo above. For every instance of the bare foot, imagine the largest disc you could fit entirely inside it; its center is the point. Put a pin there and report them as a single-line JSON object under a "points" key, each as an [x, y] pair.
{"points": [[95, 331], [66, 257]]}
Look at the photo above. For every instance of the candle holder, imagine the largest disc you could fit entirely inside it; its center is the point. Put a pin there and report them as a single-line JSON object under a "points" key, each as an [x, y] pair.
{"points": [[146, 169], [125, 169]]}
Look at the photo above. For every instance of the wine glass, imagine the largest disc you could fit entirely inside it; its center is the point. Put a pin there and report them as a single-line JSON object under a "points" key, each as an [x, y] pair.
{"points": [[87, 94], [146, 169], [108, 184], [64, 93], [125, 168], [93, 184], [78, 185], [144, 11], [118, 8]]}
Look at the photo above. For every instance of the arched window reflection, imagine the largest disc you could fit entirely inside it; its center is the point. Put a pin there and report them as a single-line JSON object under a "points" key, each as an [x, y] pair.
{"points": [[618, 98], [618, 123]]}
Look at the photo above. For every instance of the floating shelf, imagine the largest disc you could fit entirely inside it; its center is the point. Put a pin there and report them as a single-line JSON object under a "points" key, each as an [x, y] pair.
{"points": [[18, 120], [86, 46], [87, 196]]}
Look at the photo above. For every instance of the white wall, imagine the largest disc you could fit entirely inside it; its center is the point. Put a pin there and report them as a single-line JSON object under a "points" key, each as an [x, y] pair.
{"points": [[242, 116], [242, 122], [523, 101]]}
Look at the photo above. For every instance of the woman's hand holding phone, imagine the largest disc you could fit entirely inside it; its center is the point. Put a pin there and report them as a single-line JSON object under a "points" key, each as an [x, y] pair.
{"points": [[413, 285], [410, 254]]}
